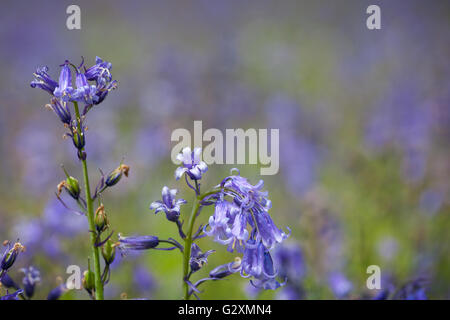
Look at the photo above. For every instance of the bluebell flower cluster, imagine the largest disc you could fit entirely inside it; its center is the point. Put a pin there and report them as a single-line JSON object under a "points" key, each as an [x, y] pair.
{"points": [[63, 92], [241, 221], [90, 87], [85, 92], [243, 224]]}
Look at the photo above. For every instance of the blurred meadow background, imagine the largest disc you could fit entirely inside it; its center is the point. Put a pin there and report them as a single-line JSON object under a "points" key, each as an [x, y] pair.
{"points": [[364, 125]]}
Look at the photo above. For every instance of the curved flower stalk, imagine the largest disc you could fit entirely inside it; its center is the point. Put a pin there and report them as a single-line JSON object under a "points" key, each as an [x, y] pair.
{"points": [[92, 86], [241, 221]]}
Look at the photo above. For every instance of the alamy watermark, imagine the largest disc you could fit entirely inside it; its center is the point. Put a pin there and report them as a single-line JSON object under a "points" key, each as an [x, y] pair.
{"points": [[236, 146], [374, 280]]}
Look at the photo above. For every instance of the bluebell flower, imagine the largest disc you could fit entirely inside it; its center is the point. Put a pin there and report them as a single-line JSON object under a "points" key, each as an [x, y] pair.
{"points": [[64, 90], [169, 204], [99, 72], [191, 164], [198, 258], [102, 91], [61, 110], [139, 243], [84, 92], [43, 80], [219, 227], [250, 208], [10, 256], [12, 296], [257, 263], [254, 201], [31, 277]]}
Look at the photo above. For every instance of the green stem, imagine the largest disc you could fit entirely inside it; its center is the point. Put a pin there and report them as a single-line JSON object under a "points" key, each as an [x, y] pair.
{"points": [[188, 241], [90, 216]]}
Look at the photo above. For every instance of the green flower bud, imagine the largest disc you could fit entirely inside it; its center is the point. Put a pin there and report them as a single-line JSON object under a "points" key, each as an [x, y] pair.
{"points": [[100, 219], [89, 280], [71, 185], [109, 252]]}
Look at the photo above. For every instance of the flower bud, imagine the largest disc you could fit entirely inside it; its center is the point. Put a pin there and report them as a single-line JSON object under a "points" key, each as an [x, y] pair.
{"points": [[10, 255], [100, 219], [89, 280], [78, 138], [72, 187], [109, 251], [116, 175]]}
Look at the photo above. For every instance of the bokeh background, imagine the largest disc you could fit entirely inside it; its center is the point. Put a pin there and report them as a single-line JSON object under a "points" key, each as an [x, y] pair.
{"points": [[364, 135]]}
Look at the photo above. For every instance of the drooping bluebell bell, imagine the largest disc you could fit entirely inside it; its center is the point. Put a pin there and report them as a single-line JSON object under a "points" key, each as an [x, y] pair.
{"points": [[219, 223], [43, 80], [12, 296], [61, 110], [198, 258], [169, 204], [191, 164], [64, 90], [257, 263], [31, 277]]}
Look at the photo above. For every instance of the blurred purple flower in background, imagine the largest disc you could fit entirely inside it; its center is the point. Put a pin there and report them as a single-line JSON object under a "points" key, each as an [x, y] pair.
{"points": [[340, 285], [143, 280]]}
